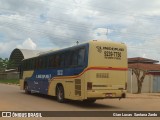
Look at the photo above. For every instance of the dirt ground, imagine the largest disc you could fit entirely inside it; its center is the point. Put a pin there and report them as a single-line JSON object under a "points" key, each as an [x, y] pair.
{"points": [[13, 99]]}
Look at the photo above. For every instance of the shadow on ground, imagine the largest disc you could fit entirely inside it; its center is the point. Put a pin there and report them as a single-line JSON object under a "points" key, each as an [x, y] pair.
{"points": [[80, 104]]}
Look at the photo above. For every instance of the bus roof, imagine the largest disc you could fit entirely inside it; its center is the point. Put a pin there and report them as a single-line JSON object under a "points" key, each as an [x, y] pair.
{"points": [[72, 47]]}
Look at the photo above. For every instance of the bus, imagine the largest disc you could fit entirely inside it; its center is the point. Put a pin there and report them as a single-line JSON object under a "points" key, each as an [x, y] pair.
{"points": [[85, 72]]}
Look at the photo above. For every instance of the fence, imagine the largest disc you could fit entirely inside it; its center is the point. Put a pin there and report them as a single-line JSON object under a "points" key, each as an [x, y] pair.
{"points": [[8, 76]]}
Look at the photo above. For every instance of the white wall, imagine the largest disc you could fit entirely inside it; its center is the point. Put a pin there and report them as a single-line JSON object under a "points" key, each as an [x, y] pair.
{"points": [[132, 83]]}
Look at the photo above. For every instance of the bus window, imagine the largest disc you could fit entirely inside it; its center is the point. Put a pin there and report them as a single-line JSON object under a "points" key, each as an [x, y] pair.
{"points": [[24, 65], [68, 59], [39, 63], [27, 65], [74, 58], [32, 64], [51, 61], [43, 62], [56, 61], [62, 60], [81, 56]]}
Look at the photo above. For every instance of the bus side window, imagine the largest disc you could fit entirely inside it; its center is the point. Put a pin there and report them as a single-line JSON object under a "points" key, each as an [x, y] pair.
{"points": [[81, 56], [56, 61], [62, 60], [74, 58], [23, 65], [27, 64], [43, 62], [37, 63], [68, 59], [51, 61], [31, 64]]}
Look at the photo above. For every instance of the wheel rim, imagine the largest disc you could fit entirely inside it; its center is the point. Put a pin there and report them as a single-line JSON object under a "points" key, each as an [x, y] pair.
{"points": [[60, 94], [26, 88]]}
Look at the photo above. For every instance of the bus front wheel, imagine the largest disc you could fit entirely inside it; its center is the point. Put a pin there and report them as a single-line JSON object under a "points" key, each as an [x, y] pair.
{"points": [[26, 89], [60, 93]]}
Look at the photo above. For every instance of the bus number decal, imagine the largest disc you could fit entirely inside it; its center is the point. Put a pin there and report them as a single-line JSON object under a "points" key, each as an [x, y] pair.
{"points": [[112, 55], [59, 72], [111, 52]]}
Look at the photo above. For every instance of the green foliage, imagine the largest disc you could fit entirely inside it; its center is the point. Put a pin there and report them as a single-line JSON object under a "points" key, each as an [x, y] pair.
{"points": [[12, 81], [5, 63]]}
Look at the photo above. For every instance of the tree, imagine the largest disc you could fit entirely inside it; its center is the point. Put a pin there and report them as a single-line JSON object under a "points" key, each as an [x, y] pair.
{"points": [[140, 75], [2, 65], [5, 63]]}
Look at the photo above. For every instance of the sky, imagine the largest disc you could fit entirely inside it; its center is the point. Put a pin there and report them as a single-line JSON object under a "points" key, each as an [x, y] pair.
{"points": [[55, 24]]}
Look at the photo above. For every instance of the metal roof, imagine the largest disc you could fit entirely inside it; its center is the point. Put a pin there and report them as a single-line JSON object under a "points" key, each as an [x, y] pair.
{"points": [[29, 53], [17, 55]]}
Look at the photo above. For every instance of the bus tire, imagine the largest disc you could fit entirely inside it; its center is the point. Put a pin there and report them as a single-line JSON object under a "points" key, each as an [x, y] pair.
{"points": [[60, 93], [26, 89]]}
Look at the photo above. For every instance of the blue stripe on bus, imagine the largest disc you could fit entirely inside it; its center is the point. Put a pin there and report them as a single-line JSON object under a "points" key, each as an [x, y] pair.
{"points": [[40, 77], [39, 80]]}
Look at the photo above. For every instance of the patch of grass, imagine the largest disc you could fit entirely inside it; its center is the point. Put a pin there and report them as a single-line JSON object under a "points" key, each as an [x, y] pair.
{"points": [[12, 81]]}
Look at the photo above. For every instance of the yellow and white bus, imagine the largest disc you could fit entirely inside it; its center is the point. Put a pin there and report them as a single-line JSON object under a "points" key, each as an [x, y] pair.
{"points": [[86, 72]]}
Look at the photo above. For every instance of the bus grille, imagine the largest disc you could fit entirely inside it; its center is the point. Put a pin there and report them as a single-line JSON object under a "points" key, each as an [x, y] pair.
{"points": [[102, 75], [78, 87]]}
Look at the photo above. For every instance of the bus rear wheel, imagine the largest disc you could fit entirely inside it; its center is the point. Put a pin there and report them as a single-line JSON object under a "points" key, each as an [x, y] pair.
{"points": [[26, 89], [60, 93]]}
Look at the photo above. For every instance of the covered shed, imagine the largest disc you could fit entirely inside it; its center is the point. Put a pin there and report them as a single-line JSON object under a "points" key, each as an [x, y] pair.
{"points": [[17, 55]]}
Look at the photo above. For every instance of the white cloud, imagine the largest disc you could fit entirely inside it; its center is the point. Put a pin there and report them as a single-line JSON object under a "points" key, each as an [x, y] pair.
{"points": [[60, 24], [144, 55], [101, 33], [28, 44], [148, 49], [6, 48]]}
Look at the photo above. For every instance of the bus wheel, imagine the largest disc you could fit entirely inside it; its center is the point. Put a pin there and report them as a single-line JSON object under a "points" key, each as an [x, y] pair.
{"points": [[60, 93], [89, 101], [26, 89]]}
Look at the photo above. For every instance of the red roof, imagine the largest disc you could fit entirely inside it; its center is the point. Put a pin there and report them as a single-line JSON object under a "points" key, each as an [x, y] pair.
{"points": [[141, 60], [143, 66]]}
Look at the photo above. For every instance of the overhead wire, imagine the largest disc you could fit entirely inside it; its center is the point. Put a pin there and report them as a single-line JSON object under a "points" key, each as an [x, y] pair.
{"points": [[68, 39], [120, 12], [83, 27], [67, 21]]}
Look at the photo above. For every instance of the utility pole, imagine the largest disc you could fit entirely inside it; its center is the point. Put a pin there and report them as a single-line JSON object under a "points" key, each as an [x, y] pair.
{"points": [[77, 42], [107, 33]]}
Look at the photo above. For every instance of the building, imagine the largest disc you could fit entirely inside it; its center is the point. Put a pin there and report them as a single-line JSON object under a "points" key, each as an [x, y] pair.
{"points": [[10, 74], [17, 55], [151, 81]]}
